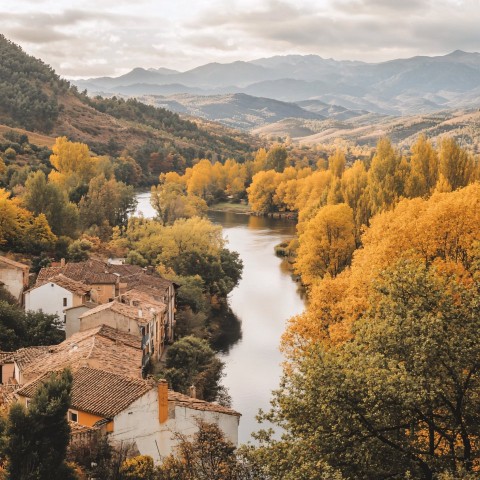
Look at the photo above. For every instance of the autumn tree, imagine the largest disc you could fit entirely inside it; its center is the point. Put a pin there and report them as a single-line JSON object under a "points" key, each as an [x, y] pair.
{"points": [[73, 164], [327, 243], [336, 163], [384, 181], [424, 169], [456, 164], [206, 455], [171, 203], [401, 397], [261, 192]]}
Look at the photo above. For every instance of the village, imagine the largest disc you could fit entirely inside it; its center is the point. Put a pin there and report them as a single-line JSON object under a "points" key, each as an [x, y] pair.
{"points": [[118, 320]]}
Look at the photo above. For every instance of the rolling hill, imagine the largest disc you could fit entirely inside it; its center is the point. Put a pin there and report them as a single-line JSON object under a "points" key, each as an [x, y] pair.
{"points": [[33, 97]]}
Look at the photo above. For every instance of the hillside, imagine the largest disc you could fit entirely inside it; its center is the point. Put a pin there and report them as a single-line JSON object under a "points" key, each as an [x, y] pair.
{"points": [[33, 97], [234, 110], [464, 125]]}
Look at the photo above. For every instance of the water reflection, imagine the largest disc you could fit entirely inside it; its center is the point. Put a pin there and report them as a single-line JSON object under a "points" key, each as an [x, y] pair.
{"points": [[229, 329], [264, 300]]}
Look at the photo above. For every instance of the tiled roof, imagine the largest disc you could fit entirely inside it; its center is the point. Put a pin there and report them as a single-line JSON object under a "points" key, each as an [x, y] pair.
{"points": [[194, 403], [153, 281], [141, 299], [101, 347], [6, 357], [122, 309], [79, 288], [96, 272], [15, 264], [7, 394], [90, 271], [98, 392], [25, 356]]}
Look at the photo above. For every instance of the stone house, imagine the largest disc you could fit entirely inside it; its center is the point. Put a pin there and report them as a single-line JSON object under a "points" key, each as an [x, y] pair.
{"points": [[14, 277], [143, 323]]}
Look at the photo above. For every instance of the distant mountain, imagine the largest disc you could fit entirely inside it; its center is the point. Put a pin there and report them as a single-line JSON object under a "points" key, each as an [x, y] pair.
{"points": [[397, 87], [234, 110]]}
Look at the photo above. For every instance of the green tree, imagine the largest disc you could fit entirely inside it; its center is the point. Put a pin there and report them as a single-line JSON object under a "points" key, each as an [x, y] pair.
{"points": [[191, 361], [276, 158], [23, 329], [41, 196], [401, 397], [37, 438]]}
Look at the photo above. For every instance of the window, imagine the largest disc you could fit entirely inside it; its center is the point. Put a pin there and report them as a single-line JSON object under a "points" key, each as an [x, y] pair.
{"points": [[27, 402], [73, 416], [64, 302]]}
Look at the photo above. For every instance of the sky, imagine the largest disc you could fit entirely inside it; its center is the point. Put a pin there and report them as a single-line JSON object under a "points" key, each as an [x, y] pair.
{"points": [[91, 38]]}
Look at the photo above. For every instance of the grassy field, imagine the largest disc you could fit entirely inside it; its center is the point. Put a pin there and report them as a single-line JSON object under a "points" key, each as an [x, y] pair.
{"points": [[230, 207]]}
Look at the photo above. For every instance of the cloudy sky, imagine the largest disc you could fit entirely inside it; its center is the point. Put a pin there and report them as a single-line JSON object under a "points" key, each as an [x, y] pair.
{"points": [[110, 37]]}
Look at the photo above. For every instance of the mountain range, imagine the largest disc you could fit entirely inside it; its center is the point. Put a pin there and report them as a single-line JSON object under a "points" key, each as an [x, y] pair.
{"points": [[398, 87]]}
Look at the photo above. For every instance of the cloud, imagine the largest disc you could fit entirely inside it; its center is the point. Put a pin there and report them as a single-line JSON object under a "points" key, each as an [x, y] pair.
{"points": [[90, 38]]}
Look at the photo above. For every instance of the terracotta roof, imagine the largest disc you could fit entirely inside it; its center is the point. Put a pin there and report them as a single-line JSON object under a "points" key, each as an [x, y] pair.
{"points": [[125, 270], [101, 347], [7, 394], [79, 288], [76, 428], [87, 304], [6, 357], [15, 264], [141, 299], [153, 281], [122, 309], [182, 400], [90, 271], [98, 392], [25, 356]]}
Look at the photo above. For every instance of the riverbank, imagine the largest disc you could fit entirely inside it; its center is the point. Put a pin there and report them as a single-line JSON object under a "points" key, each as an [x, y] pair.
{"points": [[244, 209]]}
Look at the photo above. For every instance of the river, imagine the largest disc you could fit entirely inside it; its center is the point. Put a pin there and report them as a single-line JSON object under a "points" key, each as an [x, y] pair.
{"points": [[262, 302]]}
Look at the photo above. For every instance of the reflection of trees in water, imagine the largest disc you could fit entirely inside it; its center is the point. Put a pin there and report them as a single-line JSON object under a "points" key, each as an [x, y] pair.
{"points": [[226, 328]]}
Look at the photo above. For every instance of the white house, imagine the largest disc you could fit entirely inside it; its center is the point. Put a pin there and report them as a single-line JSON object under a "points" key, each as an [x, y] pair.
{"points": [[138, 411], [56, 295]]}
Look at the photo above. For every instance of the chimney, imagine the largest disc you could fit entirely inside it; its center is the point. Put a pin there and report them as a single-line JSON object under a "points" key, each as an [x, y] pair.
{"points": [[192, 391], [62, 262], [140, 313], [162, 401]]}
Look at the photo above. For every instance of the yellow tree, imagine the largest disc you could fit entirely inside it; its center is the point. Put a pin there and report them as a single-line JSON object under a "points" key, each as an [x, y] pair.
{"points": [[326, 244], [261, 192], [385, 186], [73, 164], [456, 164], [337, 162], [424, 169]]}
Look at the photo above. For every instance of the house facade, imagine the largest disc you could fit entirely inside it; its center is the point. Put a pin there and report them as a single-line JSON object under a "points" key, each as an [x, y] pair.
{"points": [[14, 277], [56, 295], [141, 412]]}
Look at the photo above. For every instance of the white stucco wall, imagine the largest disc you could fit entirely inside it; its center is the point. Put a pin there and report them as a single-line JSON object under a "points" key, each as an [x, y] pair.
{"points": [[73, 322], [139, 423], [12, 278], [48, 298]]}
